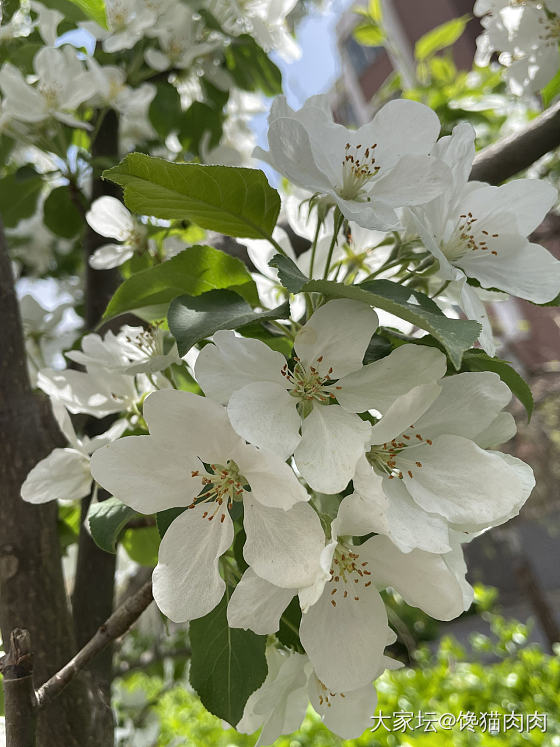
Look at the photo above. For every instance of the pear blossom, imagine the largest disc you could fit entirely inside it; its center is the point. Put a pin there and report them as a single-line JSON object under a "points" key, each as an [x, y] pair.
{"points": [[263, 19], [108, 384], [194, 459], [480, 232], [65, 474], [269, 402], [62, 85], [135, 125], [109, 217], [526, 34], [47, 22], [368, 172], [178, 36], [127, 23], [430, 466], [344, 627], [280, 703]]}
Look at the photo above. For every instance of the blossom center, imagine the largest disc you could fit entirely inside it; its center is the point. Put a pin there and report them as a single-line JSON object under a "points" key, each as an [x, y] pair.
{"points": [[50, 92], [383, 457], [308, 384], [468, 237], [325, 695], [349, 576], [357, 170], [220, 484]]}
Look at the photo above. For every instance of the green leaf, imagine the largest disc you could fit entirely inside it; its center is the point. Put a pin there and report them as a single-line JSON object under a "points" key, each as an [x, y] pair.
{"points": [[193, 318], [227, 664], [478, 360], [369, 34], [198, 120], [289, 274], [106, 521], [440, 37], [165, 518], [251, 68], [456, 335], [194, 271], [19, 193], [9, 7], [234, 201], [289, 626], [375, 10], [142, 545], [165, 111], [94, 9], [551, 90], [60, 214]]}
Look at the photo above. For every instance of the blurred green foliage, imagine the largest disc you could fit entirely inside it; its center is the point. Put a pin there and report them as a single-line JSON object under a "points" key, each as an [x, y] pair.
{"points": [[497, 672]]}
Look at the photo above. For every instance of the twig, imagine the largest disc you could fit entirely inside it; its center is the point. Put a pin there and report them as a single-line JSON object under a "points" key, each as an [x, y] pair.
{"points": [[119, 622], [513, 154]]}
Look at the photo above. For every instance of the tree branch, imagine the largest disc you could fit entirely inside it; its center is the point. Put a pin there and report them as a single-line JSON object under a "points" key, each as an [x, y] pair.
{"points": [[513, 154], [119, 622], [19, 697]]}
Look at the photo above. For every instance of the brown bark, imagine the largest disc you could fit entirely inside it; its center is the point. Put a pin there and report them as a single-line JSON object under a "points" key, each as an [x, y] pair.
{"points": [[31, 581], [515, 153], [92, 599], [19, 695]]}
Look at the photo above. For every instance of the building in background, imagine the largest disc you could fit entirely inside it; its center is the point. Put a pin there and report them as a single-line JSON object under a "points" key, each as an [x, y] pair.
{"points": [[365, 69]]}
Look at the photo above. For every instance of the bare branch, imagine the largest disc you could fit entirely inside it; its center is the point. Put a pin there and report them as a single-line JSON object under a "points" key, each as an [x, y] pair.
{"points": [[513, 154], [119, 622]]}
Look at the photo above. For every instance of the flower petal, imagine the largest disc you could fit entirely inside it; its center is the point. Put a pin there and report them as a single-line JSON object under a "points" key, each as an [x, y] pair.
{"points": [[332, 442], [265, 415], [422, 578], [148, 474], [377, 385], [199, 425], [468, 403], [273, 483], [345, 637], [347, 714], [62, 475], [186, 581], [340, 332], [404, 411], [232, 362], [109, 217], [283, 547], [257, 605], [463, 483]]}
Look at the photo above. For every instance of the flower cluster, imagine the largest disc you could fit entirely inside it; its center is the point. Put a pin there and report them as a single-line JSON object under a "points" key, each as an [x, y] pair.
{"points": [[526, 34], [321, 475]]}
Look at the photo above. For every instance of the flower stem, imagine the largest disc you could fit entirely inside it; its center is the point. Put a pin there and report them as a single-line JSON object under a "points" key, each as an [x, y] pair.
{"points": [[338, 218]]}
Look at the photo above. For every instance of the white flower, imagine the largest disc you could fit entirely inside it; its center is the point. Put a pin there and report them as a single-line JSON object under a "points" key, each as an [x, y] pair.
{"points": [[428, 468], [133, 350], [268, 402], [103, 388], [366, 172], [344, 627], [64, 474], [478, 231], [109, 217], [127, 22], [135, 125], [62, 86], [280, 703], [193, 458], [178, 35], [526, 34], [262, 19]]}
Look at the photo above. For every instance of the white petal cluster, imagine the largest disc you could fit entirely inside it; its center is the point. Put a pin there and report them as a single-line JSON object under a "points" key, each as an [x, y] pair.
{"points": [[526, 34]]}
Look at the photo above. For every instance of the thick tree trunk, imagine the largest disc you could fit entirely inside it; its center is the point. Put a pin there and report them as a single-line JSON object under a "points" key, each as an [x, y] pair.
{"points": [[32, 589], [92, 599]]}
